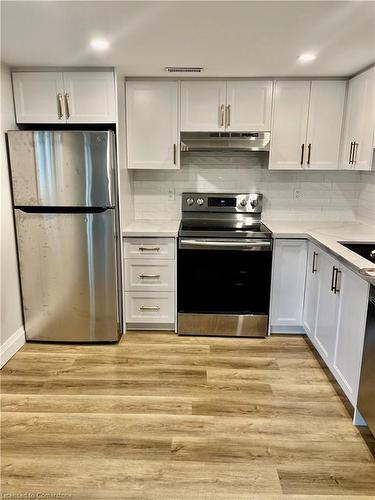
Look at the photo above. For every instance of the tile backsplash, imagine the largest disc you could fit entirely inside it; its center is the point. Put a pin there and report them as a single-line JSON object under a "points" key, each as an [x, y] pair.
{"points": [[292, 195], [366, 198]]}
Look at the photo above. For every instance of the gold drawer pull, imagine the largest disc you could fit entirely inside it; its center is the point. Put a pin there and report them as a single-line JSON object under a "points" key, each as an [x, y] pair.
{"points": [[149, 275], [149, 249], [149, 308]]}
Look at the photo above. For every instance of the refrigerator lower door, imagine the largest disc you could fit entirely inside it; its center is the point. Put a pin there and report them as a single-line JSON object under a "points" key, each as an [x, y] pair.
{"points": [[68, 266]]}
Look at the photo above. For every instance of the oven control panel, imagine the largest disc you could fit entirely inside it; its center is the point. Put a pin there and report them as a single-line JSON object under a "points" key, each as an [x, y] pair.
{"points": [[222, 202]]}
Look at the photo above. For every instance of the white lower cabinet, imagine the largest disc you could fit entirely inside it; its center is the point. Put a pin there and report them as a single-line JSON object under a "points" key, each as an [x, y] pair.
{"points": [[351, 324], [326, 321], [149, 307], [312, 288], [288, 285], [150, 275], [334, 317]]}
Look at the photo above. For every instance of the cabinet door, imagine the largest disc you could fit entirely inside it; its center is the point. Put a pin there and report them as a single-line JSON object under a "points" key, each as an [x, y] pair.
{"points": [[288, 282], [311, 289], [354, 293], [38, 97], [365, 139], [90, 97], [326, 322], [152, 124], [324, 129], [203, 106], [249, 105], [360, 122], [289, 124], [352, 125]]}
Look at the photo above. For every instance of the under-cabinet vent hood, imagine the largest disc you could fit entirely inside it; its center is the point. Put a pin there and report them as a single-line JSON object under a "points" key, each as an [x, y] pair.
{"points": [[225, 141]]}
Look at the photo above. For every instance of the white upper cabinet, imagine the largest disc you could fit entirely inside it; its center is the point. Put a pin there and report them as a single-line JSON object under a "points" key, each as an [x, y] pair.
{"points": [[70, 97], [203, 105], [249, 105], [235, 105], [327, 100], [89, 97], [39, 97], [289, 124], [358, 140], [307, 124], [152, 124]]}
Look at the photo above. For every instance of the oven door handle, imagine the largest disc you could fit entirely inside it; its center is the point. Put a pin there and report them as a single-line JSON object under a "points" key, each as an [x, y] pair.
{"points": [[224, 245]]}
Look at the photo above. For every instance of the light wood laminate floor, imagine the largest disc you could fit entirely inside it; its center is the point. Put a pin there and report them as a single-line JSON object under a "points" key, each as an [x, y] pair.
{"points": [[163, 417]]}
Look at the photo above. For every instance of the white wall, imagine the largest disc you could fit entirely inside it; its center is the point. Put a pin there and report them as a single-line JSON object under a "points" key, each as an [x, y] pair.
{"points": [[323, 195], [11, 331]]}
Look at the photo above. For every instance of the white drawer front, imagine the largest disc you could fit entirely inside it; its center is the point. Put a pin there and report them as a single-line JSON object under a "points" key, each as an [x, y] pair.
{"points": [[149, 307], [144, 248], [149, 275]]}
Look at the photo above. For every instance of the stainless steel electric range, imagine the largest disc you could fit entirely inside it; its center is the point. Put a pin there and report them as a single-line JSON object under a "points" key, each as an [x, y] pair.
{"points": [[224, 265]]}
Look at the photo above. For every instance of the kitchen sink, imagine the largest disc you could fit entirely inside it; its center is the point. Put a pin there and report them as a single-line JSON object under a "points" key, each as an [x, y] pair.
{"points": [[366, 250]]}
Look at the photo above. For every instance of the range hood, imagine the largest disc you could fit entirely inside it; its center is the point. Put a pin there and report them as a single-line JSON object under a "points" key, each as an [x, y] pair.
{"points": [[225, 141]]}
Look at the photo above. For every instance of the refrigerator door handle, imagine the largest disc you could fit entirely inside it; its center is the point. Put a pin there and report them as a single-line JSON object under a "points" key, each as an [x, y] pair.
{"points": [[110, 168]]}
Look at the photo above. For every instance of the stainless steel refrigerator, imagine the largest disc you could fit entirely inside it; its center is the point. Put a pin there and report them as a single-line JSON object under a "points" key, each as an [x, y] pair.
{"points": [[65, 199]]}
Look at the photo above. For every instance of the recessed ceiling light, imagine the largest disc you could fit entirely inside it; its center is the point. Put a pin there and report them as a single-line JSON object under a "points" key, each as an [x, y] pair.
{"points": [[99, 44], [307, 57]]}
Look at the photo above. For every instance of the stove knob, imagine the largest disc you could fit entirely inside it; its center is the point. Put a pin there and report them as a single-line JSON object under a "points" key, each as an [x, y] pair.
{"points": [[200, 201], [189, 201], [243, 202], [254, 203]]}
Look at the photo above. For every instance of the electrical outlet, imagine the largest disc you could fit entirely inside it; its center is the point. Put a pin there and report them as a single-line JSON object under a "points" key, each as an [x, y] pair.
{"points": [[297, 194], [171, 194]]}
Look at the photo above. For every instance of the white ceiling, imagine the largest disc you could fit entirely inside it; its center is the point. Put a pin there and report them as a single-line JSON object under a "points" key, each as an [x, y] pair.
{"points": [[245, 38]]}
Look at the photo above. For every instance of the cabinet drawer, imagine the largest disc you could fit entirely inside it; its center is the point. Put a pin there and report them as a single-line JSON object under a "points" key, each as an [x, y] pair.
{"points": [[149, 307], [144, 248], [149, 275]]}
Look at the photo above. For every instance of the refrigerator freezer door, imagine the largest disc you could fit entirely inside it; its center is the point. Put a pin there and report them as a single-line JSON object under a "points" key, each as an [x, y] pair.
{"points": [[69, 276], [62, 168]]}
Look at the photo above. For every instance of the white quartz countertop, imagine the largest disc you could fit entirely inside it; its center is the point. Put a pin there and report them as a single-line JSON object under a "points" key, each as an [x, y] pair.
{"points": [[152, 228], [328, 235]]}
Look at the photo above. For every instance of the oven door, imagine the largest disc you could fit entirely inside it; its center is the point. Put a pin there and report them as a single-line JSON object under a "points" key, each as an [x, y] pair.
{"points": [[221, 280]]}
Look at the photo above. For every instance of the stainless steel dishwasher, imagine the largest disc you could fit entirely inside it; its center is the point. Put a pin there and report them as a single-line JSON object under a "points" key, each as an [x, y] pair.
{"points": [[366, 396]]}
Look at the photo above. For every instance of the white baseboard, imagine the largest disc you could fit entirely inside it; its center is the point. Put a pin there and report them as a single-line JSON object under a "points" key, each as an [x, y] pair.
{"points": [[12, 345], [289, 330]]}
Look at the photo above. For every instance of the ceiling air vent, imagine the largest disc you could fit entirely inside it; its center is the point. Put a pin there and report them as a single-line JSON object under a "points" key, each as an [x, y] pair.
{"points": [[183, 69]]}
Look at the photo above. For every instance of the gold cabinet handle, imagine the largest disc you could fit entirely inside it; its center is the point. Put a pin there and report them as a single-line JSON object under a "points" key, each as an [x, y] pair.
{"points": [[60, 112], [221, 115], [67, 103], [149, 308], [149, 249], [228, 115], [302, 153], [144, 276]]}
